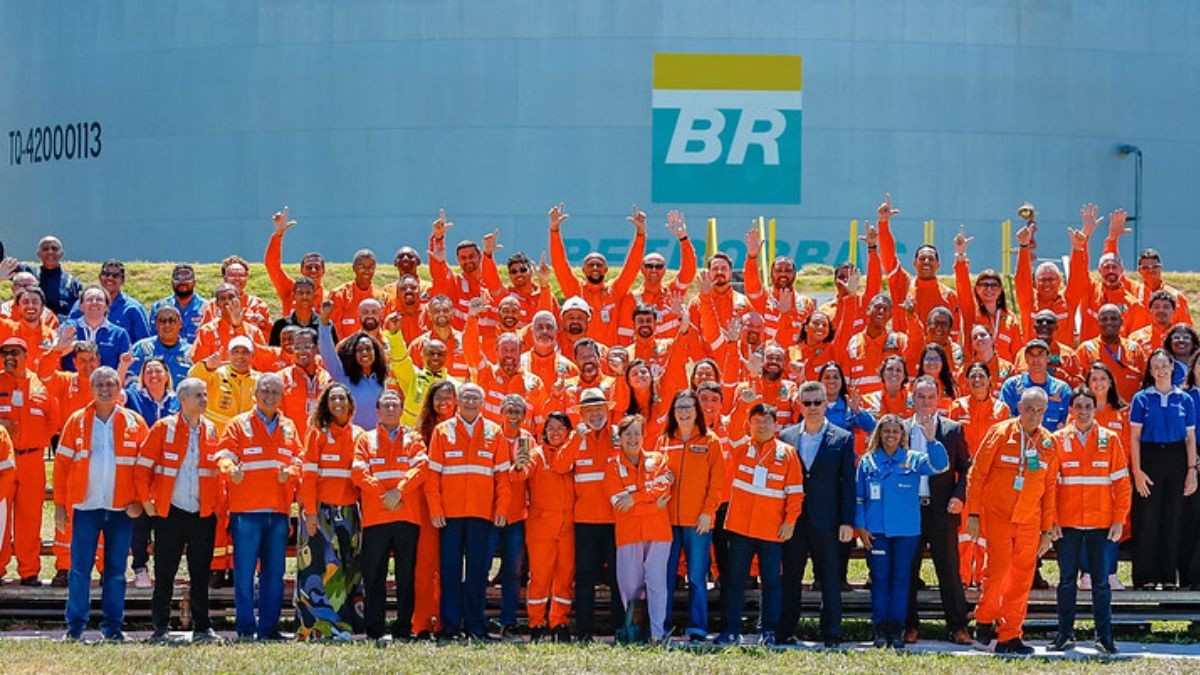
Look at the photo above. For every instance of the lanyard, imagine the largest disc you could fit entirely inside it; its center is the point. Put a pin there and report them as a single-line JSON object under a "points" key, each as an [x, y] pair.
{"points": [[1115, 357]]}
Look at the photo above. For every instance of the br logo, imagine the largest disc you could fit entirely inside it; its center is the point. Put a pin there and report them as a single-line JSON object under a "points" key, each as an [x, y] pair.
{"points": [[726, 128]]}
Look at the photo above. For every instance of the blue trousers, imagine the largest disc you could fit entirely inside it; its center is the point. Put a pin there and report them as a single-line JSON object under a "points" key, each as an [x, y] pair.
{"points": [[463, 594], [511, 540], [85, 534], [1074, 544], [891, 562], [696, 548], [770, 564], [1112, 553], [259, 541]]}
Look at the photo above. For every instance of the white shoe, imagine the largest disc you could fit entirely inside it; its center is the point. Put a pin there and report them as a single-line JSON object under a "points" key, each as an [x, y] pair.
{"points": [[1114, 583], [1085, 582], [141, 579]]}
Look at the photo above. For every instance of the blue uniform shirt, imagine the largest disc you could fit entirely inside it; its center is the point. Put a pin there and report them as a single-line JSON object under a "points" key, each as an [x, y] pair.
{"points": [[112, 340], [125, 312], [192, 314], [140, 401], [1058, 395], [839, 415], [176, 358], [889, 501], [1164, 418]]}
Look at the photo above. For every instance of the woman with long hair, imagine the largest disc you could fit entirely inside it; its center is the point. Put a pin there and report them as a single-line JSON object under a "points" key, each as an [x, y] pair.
{"points": [[894, 398], [981, 348], [440, 404], [990, 306], [550, 531], [1182, 343], [1112, 413], [845, 408], [329, 585], [151, 395], [697, 464], [816, 345], [644, 397], [707, 370], [359, 362], [935, 364]]}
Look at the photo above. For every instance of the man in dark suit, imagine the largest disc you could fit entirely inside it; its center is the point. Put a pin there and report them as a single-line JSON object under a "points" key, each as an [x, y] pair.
{"points": [[942, 498], [827, 521]]}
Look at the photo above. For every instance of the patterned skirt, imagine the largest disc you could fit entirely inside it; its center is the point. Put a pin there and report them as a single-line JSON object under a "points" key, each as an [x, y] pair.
{"points": [[329, 585]]}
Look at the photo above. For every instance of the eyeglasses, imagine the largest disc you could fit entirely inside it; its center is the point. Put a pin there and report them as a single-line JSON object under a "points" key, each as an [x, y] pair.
{"points": [[685, 407], [167, 319], [988, 284], [523, 269], [939, 324], [812, 402], [112, 273], [653, 265], [1150, 266], [1045, 322]]}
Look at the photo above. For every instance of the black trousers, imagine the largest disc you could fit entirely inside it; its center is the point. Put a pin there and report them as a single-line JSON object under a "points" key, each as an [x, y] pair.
{"points": [[177, 531], [140, 548], [940, 534], [1158, 519], [380, 544], [720, 540], [823, 547], [595, 547]]}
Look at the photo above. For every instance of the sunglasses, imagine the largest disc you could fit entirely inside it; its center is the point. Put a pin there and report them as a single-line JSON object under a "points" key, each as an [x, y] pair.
{"points": [[1045, 322], [110, 273], [14, 351], [812, 403], [653, 265], [988, 284], [524, 269]]}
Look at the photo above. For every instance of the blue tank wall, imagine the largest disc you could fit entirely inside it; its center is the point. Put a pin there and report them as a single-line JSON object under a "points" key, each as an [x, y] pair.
{"points": [[367, 116]]}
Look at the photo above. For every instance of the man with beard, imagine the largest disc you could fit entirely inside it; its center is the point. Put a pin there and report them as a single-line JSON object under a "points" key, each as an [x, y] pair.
{"points": [[46, 347], [923, 293], [61, 288], [215, 336], [719, 301], [767, 384], [529, 297], [414, 382], [235, 271], [348, 298], [588, 360], [731, 341], [603, 298], [938, 329], [440, 312], [304, 380], [1064, 362], [370, 315], [185, 300], [545, 358], [403, 298], [167, 343], [649, 348], [21, 281], [503, 376], [508, 320], [1150, 270], [1123, 356], [780, 305], [123, 310], [460, 287], [576, 315], [1088, 295], [312, 265], [652, 292], [1162, 308], [866, 350], [1040, 291], [303, 314]]}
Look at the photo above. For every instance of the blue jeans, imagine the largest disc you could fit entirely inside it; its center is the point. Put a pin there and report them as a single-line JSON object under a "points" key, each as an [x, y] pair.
{"points": [[696, 549], [891, 562], [511, 539], [1111, 554], [87, 526], [463, 596], [1071, 547], [259, 541], [770, 565]]}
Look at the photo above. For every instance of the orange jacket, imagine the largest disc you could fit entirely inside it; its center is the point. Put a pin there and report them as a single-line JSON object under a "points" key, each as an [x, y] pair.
{"points": [[261, 455], [8, 465], [1127, 362], [1088, 295], [604, 298], [1094, 490], [496, 384], [698, 468], [992, 482], [214, 336], [781, 393], [73, 458], [383, 463], [325, 474], [456, 362], [591, 451], [469, 472], [1005, 329], [346, 299], [551, 482], [518, 485], [646, 483], [881, 403], [273, 261], [767, 490], [977, 417], [72, 391], [41, 359], [34, 408], [1030, 304], [864, 354], [254, 312], [161, 456], [300, 394], [732, 441]]}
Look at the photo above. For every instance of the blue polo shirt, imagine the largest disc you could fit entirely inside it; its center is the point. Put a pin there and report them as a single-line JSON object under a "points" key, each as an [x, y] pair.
{"points": [[1058, 394], [140, 401], [888, 494], [176, 358], [112, 340], [125, 312], [191, 314], [1164, 418]]}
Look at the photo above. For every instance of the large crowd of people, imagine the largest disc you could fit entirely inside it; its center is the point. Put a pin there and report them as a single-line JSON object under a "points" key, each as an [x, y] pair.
{"points": [[637, 436]]}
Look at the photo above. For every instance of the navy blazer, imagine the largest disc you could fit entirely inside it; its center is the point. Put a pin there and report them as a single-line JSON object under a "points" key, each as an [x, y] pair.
{"points": [[829, 486]]}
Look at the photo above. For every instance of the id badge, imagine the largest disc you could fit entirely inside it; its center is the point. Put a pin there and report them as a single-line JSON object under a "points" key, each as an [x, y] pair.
{"points": [[18, 398], [876, 491], [605, 315], [1031, 461], [1019, 483], [760, 476]]}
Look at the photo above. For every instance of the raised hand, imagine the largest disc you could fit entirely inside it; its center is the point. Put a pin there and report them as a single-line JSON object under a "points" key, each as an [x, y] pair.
{"points": [[1025, 235], [637, 219], [489, 242], [543, 272], [676, 305], [733, 330], [475, 306], [786, 301], [8, 267], [557, 216], [326, 310], [1116, 224], [441, 225], [280, 219], [393, 322], [754, 241], [753, 365], [886, 210], [849, 285], [871, 238], [213, 361], [961, 241], [706, 284], [1088, 218], [65, 338], [676, 224]]}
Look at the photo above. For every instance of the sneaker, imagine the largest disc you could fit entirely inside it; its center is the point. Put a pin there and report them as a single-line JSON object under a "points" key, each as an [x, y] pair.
{"points": [[897, 641], [1107, 647], [141, 578], [537, 634], [1114, 583], [207, 636], [561, 634], [244, 638], [1085, 582], [72, 637], [118, 636], [384, 642], [881, 639], [1014, 647], [160, 635], [509, 632], [1062, 643], [60, 579], [696, 635], [273, 636], [985, 634]]}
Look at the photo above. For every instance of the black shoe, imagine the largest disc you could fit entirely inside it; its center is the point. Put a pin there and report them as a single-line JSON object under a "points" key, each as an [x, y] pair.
{"points": [[985, 633], [72, 637], [243, 638], [206, 636], [1107, 647], [216, 580], [509, 633], [160, 635], [881, 638], [384, 642], [118, 636], [1014, 647], [450, 636], [31, 581], [897, 641], [537, 634], [424, 636], [482, 637], [833, 643], [561, 634], [1062, 643], [60, 579]]}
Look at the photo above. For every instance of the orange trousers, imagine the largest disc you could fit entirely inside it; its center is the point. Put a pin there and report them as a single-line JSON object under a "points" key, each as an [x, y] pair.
{"points": [[972, 556], [550, 541], [25, 516], [1012, 558], [427, 581], [222, 559]]}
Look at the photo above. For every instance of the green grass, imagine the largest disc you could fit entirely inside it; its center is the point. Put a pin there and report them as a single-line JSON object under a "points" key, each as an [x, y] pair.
{"points": [[45, 657]]}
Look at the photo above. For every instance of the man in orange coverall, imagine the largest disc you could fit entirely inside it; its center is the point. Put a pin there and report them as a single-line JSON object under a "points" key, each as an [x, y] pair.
{"points": [[1012, 483]]}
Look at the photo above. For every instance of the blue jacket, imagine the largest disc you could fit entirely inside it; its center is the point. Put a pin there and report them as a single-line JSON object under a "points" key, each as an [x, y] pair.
{"points": [[1057, 391], [140, 401], [111, 339], [192, 314], [125, 312], [888, 499], [176, 358]]}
